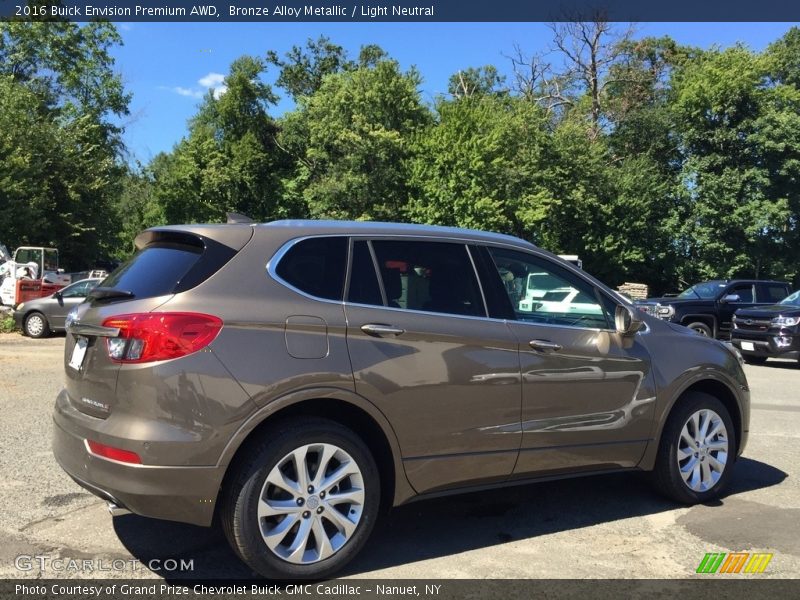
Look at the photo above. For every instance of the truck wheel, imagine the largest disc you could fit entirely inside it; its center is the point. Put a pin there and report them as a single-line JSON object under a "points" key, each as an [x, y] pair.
{"points": [[36, 325], [697, 450], [701, 328], [303, 501]]}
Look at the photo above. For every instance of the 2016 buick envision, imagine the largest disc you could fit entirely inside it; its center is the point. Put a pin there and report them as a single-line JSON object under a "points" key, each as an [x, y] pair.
{"points": [[295, 377]]}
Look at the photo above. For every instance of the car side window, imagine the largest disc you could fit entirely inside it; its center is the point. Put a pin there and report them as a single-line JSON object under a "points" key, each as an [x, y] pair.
{"points": [[543, 292], [76, 291], [316, 266], [745, 292], [767, 292], [429, 276], [364, 286]]}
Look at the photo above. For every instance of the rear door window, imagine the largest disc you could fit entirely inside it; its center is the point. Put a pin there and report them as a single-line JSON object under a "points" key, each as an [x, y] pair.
{"points": [[316, 266], [766, 292], [364, 286], [429, 276]]}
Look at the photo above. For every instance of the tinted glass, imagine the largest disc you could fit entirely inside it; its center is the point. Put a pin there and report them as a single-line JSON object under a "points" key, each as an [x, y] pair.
{"points": [[78, 290], [364, 287], [316, 266], [543, 292], [767, 292], [429, 276], [708, 290], [792, 299], [745, 292], [154, 270]]}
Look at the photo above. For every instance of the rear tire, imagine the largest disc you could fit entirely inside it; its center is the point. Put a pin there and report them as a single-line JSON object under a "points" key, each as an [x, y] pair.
{"points": [[754, 360], [320, 537], [688, 464], [36, 325], [701, 328]]}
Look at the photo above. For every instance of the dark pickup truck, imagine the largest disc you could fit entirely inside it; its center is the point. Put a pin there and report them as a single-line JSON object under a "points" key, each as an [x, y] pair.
{"points": [[708, 307], [768, 331]]}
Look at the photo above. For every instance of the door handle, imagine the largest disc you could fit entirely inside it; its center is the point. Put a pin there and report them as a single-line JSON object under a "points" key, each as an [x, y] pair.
{"points": [[544, 346], [380, 330]]}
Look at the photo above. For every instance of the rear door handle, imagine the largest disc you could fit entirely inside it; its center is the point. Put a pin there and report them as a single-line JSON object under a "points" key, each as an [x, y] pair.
{"points": [[544, 346], [380, 330]]}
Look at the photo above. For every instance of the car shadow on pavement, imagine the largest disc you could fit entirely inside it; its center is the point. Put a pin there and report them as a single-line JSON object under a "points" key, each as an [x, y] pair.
{"points": [[443, 526]]}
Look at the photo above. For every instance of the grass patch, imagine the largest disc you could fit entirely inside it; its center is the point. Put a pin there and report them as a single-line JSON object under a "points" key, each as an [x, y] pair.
{"points": [[7, 323]]}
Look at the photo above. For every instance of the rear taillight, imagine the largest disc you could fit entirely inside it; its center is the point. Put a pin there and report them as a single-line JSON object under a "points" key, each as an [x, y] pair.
{"points": [[147, 337]]}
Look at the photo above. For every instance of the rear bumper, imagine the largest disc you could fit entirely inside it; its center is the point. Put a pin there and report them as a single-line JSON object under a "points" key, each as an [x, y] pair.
{"points": [[766, 345], [18, 319], [175, 493]]}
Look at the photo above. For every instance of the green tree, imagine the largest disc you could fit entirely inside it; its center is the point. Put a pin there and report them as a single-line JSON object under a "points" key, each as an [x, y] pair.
{"points": [[739, 134], [352, 140], [60, 147], [230, 160]]}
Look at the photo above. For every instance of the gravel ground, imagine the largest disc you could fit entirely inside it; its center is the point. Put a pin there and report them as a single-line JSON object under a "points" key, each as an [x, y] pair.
{"points": [[605, 526]]}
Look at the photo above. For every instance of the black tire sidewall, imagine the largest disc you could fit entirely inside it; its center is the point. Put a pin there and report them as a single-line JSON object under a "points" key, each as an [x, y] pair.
{"points": [[667, 471], [248, 542], [698, 325], [45, 326]]}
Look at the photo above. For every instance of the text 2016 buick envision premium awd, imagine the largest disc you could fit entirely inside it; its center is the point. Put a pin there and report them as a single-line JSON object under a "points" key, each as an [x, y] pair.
{"points": [[293, 378]]}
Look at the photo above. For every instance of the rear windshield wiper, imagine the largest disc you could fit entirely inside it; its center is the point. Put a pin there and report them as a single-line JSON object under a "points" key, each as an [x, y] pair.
{"points": [[108, 293]]}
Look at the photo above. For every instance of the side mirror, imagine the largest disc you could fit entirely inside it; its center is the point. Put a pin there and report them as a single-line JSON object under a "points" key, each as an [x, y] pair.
{"points": [[627, 320], [57, 295], [730, 298]]}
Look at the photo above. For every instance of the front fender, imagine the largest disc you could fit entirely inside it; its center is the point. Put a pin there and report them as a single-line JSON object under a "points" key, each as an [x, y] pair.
{"points": [[682, 361]]}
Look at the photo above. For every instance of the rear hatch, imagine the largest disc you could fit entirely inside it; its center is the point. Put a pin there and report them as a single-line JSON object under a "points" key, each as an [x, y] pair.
{"points": [[168, 261]]}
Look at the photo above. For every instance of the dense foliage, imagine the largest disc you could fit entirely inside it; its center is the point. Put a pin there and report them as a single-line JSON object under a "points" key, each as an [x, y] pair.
{"points": [[654, 162]]}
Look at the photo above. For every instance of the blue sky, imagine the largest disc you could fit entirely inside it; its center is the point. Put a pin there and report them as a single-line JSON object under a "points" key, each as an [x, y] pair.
{"points": [[168, 66]]}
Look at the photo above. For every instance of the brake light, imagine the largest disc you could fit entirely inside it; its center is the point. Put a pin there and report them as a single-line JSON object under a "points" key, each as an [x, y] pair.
{"points": [[148, 337], [112, 453]]}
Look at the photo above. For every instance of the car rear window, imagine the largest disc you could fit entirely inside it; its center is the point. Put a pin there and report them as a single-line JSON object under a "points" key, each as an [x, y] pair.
{"points": [[316, 266], [155, 270]]}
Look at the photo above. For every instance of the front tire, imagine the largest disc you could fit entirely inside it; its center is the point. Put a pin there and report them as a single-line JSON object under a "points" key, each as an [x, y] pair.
{"points": [[36, 325], [303, 501], [701, 328], [697, 450]]}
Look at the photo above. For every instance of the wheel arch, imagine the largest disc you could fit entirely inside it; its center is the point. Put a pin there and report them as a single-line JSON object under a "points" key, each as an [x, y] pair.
{"points": [[707, 385], [341, 406]]}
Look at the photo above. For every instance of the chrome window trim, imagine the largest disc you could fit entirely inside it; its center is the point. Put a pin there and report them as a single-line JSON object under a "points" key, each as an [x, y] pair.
{"points": [[276, 258]]}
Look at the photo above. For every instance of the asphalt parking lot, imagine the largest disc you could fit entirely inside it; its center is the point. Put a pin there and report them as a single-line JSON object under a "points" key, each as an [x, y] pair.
{"points": [[605, 526]]}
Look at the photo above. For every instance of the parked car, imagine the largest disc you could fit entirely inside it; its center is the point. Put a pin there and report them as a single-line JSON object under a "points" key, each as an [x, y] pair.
{"points": [[769, 331], [366, 365], [42, 316], [708, 307]]}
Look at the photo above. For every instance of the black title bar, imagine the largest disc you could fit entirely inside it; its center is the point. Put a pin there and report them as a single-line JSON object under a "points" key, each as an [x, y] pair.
{"points": [[400, 10]]}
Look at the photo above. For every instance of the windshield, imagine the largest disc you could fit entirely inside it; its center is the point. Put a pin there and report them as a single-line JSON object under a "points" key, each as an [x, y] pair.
{"points": [[792, 299], [707, 290]]}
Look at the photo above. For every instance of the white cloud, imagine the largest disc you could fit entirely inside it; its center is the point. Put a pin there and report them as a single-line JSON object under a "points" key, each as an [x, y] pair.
{"points": [[182, 91], [212, 80]]}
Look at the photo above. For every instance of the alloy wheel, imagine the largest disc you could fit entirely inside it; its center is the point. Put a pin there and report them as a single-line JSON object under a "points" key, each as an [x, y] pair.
{"points": [[35, 325], [311, 503], [702, 450]]}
